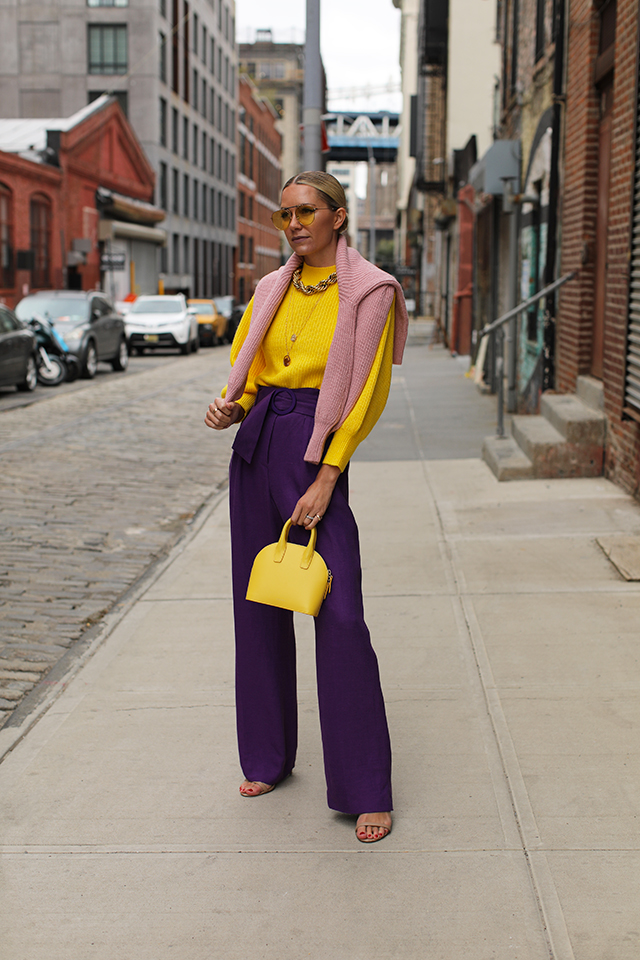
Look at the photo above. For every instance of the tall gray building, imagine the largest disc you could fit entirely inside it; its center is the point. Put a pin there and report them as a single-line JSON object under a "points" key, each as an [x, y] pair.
{"points": [[173, 66]]}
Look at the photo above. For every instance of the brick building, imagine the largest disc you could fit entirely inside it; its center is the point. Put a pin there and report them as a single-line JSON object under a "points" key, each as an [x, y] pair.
{"points": [[259, 176], [599, 319], [71, 191], [172, 64]]}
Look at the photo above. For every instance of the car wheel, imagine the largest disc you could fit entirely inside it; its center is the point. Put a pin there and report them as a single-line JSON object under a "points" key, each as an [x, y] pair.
{"points": [[195, 345], [90, 364], [185, 348], [121, 361], [54, 374], [31, 376]]}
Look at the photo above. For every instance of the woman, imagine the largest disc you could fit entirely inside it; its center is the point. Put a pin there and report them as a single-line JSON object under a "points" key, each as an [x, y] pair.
{"points": [[311, 372]]}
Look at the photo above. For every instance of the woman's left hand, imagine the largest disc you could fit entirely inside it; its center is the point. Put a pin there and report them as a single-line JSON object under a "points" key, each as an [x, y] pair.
{"points": [[312, 505]]}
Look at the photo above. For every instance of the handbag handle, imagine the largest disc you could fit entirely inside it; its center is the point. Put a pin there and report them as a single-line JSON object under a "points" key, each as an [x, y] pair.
{"points": [[281, 547]]}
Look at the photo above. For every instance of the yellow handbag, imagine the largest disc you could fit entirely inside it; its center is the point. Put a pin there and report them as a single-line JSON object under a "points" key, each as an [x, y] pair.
{"points": [[290, 576]]}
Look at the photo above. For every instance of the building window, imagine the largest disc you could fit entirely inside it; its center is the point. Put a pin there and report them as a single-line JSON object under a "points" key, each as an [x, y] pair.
{"points": [[185, 197], [6, 237], [175, 191], [195, 33], [212, 106], [163, 122], [241, 256], [163, 58], [204, 150], [194, 158], [185, 138], [203, 104], [176, 253], [40, 221], [187, 255], [174, 129], [107, 3], [195, 90], [196, 197], [162, 186], [107, 48], [212, 156], [203, 52]]}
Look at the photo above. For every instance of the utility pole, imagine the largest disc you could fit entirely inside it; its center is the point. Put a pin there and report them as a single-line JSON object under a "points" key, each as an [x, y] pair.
{"points": [[371, 190], [312, 101]]}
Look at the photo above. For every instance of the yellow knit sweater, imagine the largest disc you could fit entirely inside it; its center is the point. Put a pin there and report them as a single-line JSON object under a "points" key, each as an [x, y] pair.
{"points": [[312, 320]]}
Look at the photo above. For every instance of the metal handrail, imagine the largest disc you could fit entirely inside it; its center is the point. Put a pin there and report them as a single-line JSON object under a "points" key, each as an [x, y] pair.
{"points": [[502, 320], [490, 327]]}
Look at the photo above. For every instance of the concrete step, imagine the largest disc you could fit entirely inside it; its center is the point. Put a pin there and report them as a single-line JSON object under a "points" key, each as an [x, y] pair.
{"points": [[591, 392], [551, 454], [506, 459], [574, 419]]}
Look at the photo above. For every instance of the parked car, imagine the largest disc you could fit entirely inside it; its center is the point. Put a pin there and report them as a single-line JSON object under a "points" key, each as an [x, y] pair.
{"points": [[162, 321], [88, 322], [212, 325], [228, 307], [17, 352]]}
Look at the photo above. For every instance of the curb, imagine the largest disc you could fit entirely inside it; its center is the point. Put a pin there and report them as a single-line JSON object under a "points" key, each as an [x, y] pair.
{"points": [[46, 692]]}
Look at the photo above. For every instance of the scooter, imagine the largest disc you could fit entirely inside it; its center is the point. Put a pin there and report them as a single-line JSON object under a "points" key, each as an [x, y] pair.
{"points": [[54, 362]]}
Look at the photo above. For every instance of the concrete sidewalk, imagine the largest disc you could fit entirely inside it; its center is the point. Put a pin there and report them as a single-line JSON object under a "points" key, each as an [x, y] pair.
{"points": [[509, 653]]}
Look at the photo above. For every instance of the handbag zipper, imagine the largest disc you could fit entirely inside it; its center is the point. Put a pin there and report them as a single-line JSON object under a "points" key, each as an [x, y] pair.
{"points": [[327, 589]]}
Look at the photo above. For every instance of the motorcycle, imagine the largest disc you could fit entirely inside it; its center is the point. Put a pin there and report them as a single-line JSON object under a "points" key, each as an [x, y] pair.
{"points": [[54, 362]]}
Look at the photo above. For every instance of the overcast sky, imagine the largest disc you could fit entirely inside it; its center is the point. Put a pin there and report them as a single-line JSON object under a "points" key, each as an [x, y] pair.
{"points": [[360, 43]]}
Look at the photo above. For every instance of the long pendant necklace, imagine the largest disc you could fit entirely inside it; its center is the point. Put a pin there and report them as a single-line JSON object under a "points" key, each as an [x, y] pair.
{"points": [[294, 336]]}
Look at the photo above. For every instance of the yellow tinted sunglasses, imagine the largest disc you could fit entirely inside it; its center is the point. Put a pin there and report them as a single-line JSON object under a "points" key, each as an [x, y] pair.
{"points": [[305, 214]]}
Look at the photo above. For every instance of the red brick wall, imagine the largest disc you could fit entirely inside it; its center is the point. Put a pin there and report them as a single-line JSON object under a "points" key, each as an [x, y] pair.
{"points": [[579, 189], [623, 442], [24, 179], [580, 181], [261, 193]]}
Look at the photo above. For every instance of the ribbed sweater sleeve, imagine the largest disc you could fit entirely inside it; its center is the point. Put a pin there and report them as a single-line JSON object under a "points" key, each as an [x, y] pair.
{"points": [[369, 405], [248, 398]]}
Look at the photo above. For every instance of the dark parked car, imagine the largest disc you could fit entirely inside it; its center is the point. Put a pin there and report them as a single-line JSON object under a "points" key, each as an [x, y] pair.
{"points": [[17, 352], [87, 322], [228, 307]]}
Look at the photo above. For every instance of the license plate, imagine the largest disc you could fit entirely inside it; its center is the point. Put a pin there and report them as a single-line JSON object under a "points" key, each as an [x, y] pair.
{"points": [[151, 337]]}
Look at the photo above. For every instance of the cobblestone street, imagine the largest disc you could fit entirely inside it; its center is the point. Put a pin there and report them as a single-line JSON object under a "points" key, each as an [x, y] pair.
{"points": [[97, 483]]}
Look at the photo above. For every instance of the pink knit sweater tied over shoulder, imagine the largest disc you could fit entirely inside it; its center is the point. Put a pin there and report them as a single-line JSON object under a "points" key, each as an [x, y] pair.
{"points": [[365, 295]]}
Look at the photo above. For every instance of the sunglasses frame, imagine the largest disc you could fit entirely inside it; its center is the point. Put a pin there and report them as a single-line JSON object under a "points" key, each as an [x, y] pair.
{"points": [[297, 207]]}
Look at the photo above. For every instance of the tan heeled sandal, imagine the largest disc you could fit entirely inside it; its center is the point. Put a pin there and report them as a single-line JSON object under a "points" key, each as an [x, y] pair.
{"points": [[377, 826], [267, 788]]}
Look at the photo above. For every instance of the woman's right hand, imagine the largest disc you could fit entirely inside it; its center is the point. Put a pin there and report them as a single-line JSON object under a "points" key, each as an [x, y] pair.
{"points": [[222, 414]]}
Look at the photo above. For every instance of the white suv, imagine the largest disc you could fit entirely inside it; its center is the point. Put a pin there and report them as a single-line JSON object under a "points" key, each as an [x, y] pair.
{"points": [[161, 321]]}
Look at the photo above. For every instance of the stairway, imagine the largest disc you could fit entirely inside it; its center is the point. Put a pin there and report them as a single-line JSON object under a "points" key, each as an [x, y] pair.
{"points": [[566, 439]]}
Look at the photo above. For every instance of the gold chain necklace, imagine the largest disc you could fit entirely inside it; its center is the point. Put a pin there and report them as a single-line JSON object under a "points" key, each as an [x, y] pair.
{"points": [[319, 287], [294, 336]]}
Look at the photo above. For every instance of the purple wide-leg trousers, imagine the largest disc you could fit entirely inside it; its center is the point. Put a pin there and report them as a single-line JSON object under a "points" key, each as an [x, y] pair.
{"points": [[355, 737]]}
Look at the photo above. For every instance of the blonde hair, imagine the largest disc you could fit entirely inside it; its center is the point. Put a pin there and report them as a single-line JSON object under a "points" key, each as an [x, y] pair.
{"points": [[330, 189]]}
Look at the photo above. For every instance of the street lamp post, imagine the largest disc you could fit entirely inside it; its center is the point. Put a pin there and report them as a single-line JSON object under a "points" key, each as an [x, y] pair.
{"points": [[371, 190], [312, 100]]}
